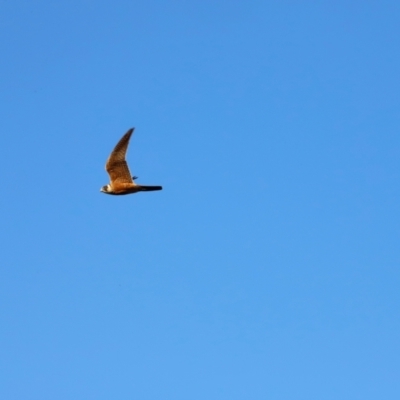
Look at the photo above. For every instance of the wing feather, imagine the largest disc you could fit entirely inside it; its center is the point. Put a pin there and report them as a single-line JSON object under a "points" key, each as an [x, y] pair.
{"points": [[116, 165]]}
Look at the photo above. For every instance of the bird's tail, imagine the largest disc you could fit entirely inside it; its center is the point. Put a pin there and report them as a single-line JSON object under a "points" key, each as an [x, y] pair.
{"points": [[150, 188]]}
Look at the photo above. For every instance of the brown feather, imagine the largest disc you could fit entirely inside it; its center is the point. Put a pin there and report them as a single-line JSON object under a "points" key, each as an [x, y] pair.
{"points": [[117, 166]]}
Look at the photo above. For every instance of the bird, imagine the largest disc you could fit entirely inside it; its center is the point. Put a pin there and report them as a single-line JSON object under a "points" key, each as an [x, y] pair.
{"points": [[121, 180]]}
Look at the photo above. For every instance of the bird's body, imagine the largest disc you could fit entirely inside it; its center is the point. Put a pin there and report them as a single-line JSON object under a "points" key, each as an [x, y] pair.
{"points": [[121, 180]]}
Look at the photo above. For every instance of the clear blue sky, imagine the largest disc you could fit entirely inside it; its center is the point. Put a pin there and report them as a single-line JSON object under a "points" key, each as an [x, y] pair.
{"points": [[268, 267]]}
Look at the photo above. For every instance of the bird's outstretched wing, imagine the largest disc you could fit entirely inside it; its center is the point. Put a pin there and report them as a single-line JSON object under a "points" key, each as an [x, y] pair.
{"points": [[116, 165]]}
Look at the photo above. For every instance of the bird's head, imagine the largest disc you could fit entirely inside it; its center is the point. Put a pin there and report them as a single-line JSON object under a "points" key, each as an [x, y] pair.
{"points": [[106, 189]]}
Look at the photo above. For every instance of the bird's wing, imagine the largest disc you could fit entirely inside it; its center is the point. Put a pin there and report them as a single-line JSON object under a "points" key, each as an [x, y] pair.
{"points": [[116, 165]]}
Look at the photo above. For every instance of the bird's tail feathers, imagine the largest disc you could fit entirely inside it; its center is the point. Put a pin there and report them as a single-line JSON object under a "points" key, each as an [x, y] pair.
{"points": [[150, 188]]}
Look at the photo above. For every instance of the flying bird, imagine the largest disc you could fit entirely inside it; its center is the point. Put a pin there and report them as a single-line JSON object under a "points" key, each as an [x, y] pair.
{"points": [[121, 180]]}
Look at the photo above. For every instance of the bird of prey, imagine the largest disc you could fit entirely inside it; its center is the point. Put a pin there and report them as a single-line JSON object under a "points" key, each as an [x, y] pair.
{"points": [[121, 180]]}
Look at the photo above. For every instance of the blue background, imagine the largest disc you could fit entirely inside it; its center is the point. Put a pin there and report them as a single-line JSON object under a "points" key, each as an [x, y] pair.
{"points": [[268, 267]]}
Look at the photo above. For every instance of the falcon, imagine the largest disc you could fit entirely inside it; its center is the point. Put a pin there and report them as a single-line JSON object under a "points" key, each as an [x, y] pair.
{"points": [[121, 180]]}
